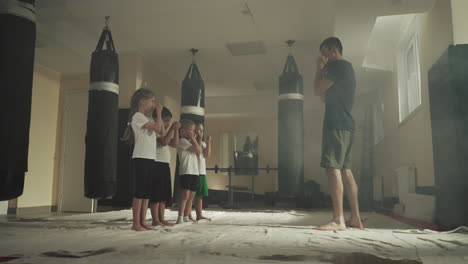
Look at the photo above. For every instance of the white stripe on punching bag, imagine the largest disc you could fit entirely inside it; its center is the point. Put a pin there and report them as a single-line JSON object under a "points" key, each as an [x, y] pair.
{"points": [[194, 110], [18, 8], [293, 96], [104, 86]]}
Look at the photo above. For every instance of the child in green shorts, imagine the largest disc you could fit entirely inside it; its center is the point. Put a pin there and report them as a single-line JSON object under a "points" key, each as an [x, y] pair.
{"points": [[202, 190]]}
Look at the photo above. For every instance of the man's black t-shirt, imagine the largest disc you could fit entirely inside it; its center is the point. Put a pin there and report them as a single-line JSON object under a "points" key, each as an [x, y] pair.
{"points": [[339, 98]]}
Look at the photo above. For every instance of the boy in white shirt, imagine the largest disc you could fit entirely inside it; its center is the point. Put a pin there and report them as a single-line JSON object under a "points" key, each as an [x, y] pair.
{"points": [[188, 151], [202, 190], [161, 189]]}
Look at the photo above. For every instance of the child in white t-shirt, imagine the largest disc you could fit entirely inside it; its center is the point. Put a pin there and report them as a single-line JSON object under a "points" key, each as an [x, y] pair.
{"points": [[202, 190], [188, 151], [141, 132], [161, 190]]}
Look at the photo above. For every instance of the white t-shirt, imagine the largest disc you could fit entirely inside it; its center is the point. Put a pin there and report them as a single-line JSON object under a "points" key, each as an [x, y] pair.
{"points": [[202, 161], [188, 160], [145, 140], [163, 154]]}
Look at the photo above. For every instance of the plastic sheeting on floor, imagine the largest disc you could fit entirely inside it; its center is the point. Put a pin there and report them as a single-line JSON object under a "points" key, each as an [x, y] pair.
{"points": [[232, 237]]}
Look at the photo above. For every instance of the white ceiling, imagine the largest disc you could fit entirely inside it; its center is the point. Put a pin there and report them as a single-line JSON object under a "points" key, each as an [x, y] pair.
{"points": [[164, 30]]}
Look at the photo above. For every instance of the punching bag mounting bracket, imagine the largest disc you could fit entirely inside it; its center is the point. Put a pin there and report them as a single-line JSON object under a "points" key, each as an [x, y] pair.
{"points": [[107, 21], [290, 42], [194, 52]]}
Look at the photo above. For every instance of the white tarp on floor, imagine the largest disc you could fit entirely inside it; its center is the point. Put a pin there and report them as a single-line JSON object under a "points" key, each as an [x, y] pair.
{"points": [[232, 237]]}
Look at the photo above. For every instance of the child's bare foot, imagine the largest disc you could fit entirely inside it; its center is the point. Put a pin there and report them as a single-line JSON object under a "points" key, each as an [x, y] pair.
{"points": [[138, 228], [332, 226], [191, 219], [203, 218], [355, 223], [147, 227], [167, 223], [157, 223]]}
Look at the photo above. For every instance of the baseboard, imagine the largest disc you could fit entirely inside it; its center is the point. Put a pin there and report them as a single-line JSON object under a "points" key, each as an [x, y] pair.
{"points": [[34, 210]]}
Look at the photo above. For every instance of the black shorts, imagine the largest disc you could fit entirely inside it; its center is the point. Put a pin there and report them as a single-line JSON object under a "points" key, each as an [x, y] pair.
{"points": [[189, 182], [143, 171], [161, 189]]}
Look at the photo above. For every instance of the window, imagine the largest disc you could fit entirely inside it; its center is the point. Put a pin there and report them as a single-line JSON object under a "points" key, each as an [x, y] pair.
{"points": [[409, 88]]}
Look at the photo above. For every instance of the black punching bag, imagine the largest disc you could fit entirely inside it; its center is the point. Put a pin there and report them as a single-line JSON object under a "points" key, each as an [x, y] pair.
{"points": [[193, 95], [102, 125], [192, 106], [290, 130], [18, 31]]}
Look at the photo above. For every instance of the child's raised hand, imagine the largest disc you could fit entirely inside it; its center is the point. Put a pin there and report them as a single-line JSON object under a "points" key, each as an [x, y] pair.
{"points": [[159, 107], [208, 138], [176, 125]]}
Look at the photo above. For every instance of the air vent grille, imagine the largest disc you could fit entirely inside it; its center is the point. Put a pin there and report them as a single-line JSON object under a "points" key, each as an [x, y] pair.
{"points": [[247, 48]]}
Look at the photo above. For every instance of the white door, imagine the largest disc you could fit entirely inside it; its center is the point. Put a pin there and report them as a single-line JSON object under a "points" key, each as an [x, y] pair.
{"points": [[73, 154]]}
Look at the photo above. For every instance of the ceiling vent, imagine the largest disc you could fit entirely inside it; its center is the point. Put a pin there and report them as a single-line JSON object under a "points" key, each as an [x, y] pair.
{"points": [[246, 48]]}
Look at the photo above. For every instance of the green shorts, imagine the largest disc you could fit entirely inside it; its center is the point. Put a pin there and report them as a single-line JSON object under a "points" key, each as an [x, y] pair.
{"points": [[336, 149], [202, 186]]}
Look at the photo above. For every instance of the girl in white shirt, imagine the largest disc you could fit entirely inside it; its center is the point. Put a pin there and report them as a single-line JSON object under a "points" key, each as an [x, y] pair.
{"points": [[141, 132]]}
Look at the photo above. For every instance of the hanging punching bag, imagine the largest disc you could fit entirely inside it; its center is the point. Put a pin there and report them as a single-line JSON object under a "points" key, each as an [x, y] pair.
{"points": [[192, 106], [18, 31], [102, 125], [290, 130], [193, 95]]}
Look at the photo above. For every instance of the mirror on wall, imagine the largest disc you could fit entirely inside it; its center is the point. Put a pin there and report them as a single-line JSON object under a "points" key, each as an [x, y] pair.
{"points": [[240, 150]]}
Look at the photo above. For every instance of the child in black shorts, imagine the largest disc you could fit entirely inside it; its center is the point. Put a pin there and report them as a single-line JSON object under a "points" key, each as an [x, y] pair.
{"points": [[161, 189], [188, 151]]}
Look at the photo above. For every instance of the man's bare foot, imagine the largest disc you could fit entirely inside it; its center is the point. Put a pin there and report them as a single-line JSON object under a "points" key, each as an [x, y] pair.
{"points": [[138, 228], [332, 226], [167, 223], [355, 223], [203, 218], [147, 227], [157, 223]]}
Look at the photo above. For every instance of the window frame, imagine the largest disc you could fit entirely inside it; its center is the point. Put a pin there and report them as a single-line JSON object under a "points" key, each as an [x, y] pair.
{"points": [[412, 99]]}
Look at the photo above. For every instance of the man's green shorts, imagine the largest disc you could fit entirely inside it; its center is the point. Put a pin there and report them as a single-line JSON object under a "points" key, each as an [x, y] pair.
{"points": [[336, 149], [202, 186]]}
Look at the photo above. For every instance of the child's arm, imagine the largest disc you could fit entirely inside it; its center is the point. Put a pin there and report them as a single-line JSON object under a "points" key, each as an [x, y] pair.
{"points": [[156, 126], [175, 140], [207, 151], [163, 131], [199, 141], [195, 148], [166, 139]]}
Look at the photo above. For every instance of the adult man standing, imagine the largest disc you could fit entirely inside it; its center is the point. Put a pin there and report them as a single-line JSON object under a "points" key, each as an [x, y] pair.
{"points": [[335, 82]]}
